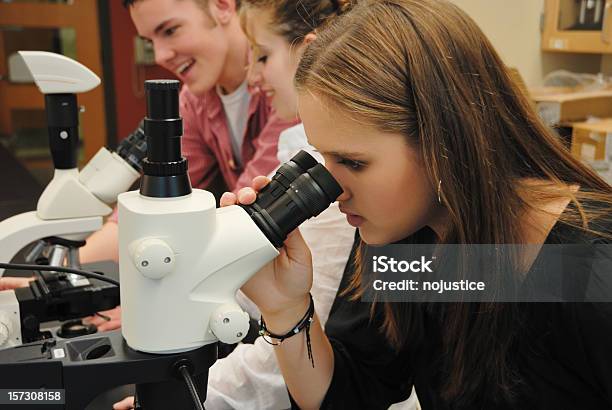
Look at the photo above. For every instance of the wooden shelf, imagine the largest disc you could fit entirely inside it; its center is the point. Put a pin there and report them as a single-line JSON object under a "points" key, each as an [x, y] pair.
{"points": [[592, 140], [37, 163], [575, 41], [82, 16], [17, 97]]}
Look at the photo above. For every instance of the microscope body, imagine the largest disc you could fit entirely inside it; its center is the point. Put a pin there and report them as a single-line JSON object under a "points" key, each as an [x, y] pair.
{"points": [[181, 263]]}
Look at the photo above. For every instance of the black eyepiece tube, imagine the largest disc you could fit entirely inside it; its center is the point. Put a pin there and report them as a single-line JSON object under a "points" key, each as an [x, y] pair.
{"points": [[163, 125], [63, 124], [307, 195], [282, 179], [164, 169], [162, 99]]}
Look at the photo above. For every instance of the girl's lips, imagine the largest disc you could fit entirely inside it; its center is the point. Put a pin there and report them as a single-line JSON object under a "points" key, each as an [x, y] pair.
{"points": [[354, 220]]}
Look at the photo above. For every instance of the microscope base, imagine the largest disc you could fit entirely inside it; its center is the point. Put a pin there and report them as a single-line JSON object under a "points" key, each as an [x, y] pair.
{"points": [[90, 365]]}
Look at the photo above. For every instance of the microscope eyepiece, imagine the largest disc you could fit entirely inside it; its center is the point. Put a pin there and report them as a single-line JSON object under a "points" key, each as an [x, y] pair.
{"points": [[164, 169], [307, 195], [162, 99], [282, 179], [162, 105]]}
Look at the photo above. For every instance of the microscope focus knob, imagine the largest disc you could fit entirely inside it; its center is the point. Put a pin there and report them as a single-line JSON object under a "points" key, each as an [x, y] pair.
{"points": [[153, 257], [6, 328], [229, 323]]}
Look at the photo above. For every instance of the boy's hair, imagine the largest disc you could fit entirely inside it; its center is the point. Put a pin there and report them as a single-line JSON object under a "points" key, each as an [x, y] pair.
{"points": [[203, 3]]}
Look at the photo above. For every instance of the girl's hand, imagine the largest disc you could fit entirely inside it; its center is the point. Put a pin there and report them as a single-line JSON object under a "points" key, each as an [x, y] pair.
{"points": [[280, 289], [106, 320], [125, 404], [10, 283]]}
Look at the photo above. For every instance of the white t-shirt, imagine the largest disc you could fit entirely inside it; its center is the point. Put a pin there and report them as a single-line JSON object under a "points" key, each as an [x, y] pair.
{"points": [[236, 108], [292, 140]]}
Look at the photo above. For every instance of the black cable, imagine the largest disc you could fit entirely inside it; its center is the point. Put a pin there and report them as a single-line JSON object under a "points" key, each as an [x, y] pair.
{"points": [[87, 274], [191, 386]]}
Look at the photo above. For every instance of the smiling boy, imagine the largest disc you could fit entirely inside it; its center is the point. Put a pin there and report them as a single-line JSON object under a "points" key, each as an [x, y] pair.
{"points": [[229, 134], [227, 130]]}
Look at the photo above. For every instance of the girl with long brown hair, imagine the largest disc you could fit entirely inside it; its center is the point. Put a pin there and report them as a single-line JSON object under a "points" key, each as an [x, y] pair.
{"points": [[421, 124]]}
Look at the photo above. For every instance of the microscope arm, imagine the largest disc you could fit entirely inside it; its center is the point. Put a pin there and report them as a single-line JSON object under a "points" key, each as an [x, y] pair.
{"points": [[18, 231]]}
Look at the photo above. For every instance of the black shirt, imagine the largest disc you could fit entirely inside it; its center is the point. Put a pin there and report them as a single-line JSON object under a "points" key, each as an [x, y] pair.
{"points": [[565, 361]]}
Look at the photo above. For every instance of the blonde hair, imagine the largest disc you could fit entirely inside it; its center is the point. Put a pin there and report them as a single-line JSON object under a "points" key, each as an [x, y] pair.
{"points": [[423, 68], [293, 19]]}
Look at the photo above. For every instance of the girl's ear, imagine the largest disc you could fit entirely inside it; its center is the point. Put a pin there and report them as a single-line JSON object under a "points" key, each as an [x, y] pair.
{"points": [[309, 38]]}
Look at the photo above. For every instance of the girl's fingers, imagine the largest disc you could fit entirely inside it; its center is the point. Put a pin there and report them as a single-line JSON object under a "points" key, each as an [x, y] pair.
{"points": [[228, 198], [260, 182], [246, 196]]}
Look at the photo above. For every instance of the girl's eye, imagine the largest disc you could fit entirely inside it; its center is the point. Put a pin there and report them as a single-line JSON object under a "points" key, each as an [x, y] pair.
{"points": [[170, 31], [351, 164], [262, 59]]}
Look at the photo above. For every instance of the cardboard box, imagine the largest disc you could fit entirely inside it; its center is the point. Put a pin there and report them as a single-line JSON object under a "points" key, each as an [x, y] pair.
{"points": [[592, 141], [564, 108]]}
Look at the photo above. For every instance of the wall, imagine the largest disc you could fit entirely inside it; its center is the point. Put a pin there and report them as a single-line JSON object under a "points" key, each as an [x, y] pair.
{"points": [[513, 26], [129, 78]]}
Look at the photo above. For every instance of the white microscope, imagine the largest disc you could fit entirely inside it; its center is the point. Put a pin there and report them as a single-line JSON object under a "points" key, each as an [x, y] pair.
{"points": [[73, 204], [181, 262], [71, 207]]}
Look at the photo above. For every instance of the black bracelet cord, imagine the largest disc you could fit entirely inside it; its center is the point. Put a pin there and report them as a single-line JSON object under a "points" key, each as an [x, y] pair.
{"points": [[303, 323]]}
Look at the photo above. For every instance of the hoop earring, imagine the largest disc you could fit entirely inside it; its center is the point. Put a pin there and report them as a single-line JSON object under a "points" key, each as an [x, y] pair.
{"points": [[440, 191]]}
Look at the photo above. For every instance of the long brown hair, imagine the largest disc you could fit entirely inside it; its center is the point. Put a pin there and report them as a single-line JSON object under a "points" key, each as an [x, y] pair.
{"points": [[423, 68]]}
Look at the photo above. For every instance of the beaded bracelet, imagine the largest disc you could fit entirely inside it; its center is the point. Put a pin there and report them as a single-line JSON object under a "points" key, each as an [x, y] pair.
{"points": [[303, 323]]}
